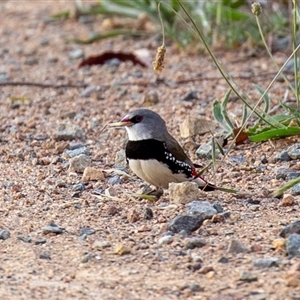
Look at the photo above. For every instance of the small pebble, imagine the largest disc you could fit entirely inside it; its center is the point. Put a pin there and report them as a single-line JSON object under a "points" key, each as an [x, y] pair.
{"points": [[79, 163], [292, 228], [189, 96], [30, 61], [40, 241], [4, 234], [205, 151], [120, 159], [218, 207], [293, 245], [296, 189], [116, 179], [98, 245], [266, 262], [223, 260], [53, 228], [45, 256], [279, 244], [283, 156], [151, 98], [183, 192], [69, 153], [248, 276], [86, 231], [206, 269], [133, 216], [148, 213], [76, 54], [188, 223], [236, 246], [91, 173], [79, 187], [121, 249], [218, 218], [167, 239], [69, 132], [204, 208], [287, 200], [239, 159], [194, 242], [87, 257], [25, 239]]}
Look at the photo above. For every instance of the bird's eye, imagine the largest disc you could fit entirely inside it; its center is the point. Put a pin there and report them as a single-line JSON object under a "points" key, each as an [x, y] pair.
{"points": [[137, 119]]}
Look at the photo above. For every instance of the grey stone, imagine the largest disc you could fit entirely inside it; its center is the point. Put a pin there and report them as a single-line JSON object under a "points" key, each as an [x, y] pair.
{"points": [[266, 262], [223, 260], [295, 189], [293, 245], [204, 208], [239, 159], [120, 159], [205, 151], [194, 242], [283, 156], [292, 228], [79, 163], [236, 246], [68, 132], [294, 151], [40, 241], [45, 256], [282, 173], [116, 179], [88, 91], [101, 244], [53, 228], [86, 231], [191, 95], [188, 223], [167, 239], [4, 234], [148, 213], [79, 187], [76, 152], [76, 54], [292, 175], [248, 276], [193, 125], [25, 239], [218, 207], [31, 60]]}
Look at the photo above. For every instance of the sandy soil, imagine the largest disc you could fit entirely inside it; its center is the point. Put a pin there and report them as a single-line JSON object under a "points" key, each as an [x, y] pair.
{"points": [[37, 187]]}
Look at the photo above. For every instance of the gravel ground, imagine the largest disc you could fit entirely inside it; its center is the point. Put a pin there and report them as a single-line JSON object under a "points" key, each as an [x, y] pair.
{"points": [[66, 236]]}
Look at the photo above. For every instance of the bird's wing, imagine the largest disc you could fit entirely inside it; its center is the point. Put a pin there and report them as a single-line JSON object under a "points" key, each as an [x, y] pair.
{"points": [[177, 151]]}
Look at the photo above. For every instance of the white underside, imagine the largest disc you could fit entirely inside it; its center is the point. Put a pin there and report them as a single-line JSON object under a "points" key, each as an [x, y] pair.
{"points": [[157, 174]]}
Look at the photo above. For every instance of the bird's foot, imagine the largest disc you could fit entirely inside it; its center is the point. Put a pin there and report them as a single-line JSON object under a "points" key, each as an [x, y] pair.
{"points": [[156, 192], [150, 194]]}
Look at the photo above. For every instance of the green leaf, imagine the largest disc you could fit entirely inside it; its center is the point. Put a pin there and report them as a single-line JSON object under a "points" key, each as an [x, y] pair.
{"points": [[224, 109], [274, 133], [217, 113], [285, 187]]}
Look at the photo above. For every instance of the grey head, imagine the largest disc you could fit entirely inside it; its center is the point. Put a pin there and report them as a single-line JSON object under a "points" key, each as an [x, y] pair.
{"points": [[142, 124]]}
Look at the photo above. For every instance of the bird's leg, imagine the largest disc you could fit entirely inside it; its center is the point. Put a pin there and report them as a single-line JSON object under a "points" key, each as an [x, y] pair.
{"points": [[157, 193], [149, 193]]}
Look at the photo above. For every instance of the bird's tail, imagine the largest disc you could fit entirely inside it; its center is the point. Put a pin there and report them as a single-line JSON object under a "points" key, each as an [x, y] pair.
{"points": [[208, 187]]}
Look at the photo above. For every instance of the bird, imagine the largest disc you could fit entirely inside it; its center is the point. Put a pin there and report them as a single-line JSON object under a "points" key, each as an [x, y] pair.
{"points": [[153, 153]]}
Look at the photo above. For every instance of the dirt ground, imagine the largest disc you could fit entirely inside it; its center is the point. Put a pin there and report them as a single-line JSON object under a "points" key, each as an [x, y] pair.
{"points": [[38, 188]]}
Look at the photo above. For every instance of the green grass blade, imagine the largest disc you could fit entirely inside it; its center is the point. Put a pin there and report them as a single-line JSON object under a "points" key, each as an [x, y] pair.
{"points": [[274, 133], [285, 187]]}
